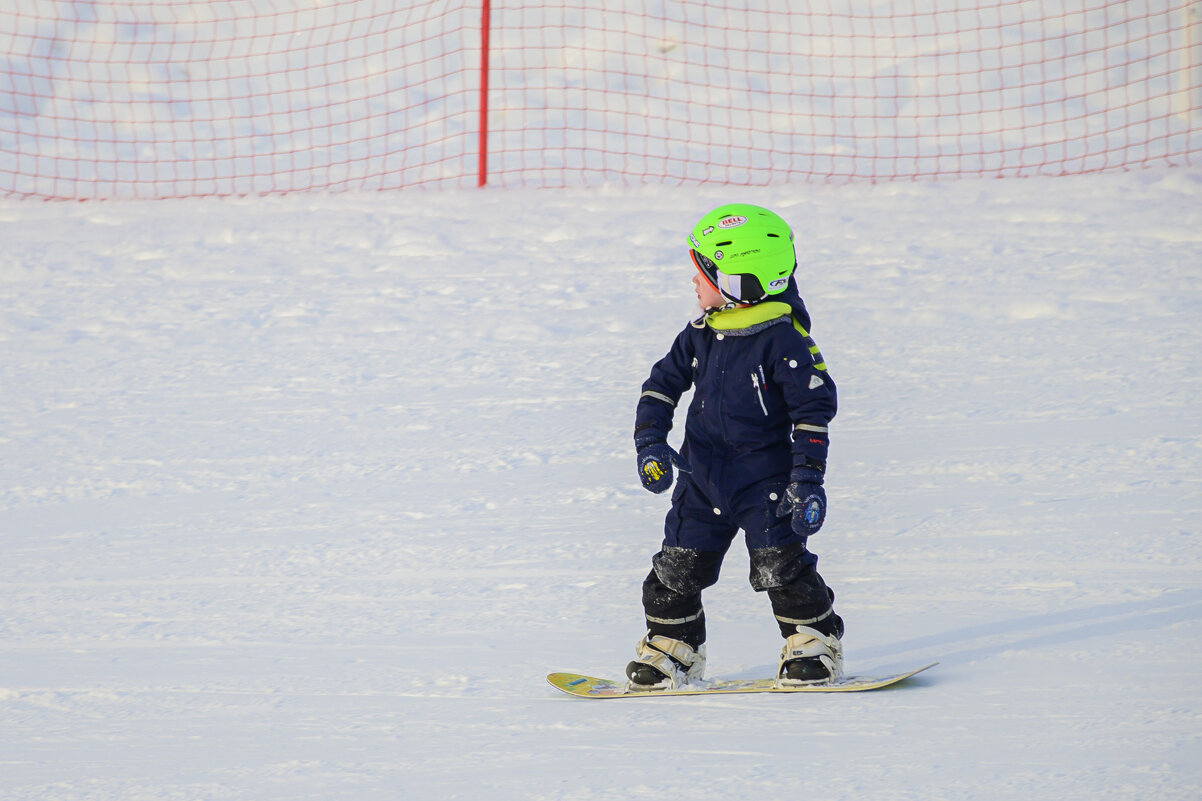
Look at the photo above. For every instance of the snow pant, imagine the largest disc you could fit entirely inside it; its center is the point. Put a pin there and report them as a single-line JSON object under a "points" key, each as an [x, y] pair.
{"points": [[697, 535]]}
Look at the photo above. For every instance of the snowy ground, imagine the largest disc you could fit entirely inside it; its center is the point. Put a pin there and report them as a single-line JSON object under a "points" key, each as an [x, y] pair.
{"points": [[300, 498]]}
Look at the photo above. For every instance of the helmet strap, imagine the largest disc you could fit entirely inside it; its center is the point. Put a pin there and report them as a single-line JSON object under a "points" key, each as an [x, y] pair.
{"points": [[699, 321]]}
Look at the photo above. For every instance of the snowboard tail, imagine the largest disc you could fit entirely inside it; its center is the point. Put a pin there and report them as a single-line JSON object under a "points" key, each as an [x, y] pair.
{"points": [[593, 687]]}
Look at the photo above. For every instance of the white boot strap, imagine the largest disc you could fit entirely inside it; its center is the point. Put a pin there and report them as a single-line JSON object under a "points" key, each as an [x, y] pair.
{"points": [[680, 651], [808, 642]]}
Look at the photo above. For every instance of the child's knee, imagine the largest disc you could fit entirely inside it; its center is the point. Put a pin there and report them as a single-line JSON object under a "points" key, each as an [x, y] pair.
{"points": [[780, 565], [686, 571]]}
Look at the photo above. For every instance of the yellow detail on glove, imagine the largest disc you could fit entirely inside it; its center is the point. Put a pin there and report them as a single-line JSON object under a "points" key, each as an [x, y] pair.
{"points": [[653, 470]]}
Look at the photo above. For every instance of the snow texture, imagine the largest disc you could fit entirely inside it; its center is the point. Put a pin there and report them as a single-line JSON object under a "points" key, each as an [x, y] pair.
{"points": [[301, 497]]}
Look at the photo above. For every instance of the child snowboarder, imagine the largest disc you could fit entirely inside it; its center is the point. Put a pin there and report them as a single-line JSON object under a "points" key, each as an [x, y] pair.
{"points": [[754, 454]]}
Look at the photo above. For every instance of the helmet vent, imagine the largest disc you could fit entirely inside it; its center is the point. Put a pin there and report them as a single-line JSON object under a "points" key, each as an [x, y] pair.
{"points": [[722, 244], [774, 236]]}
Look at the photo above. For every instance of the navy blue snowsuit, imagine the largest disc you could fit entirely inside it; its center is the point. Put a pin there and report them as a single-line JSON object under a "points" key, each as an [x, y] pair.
{"points": [[761, 405]]}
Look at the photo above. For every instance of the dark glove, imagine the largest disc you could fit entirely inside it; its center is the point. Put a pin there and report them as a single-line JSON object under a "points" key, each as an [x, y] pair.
{"points": [[655, 460], [805, 500]]}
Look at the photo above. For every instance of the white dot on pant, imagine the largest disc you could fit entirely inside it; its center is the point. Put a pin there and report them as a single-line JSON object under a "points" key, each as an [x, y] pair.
{"points": [[717, 511]]}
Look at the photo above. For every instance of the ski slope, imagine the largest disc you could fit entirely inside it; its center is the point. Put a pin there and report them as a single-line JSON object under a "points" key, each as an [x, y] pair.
{"points": [[301, 497]]}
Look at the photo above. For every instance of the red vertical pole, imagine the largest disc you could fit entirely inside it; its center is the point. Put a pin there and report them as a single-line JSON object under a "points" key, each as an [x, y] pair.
{"points": [[485, 14]]}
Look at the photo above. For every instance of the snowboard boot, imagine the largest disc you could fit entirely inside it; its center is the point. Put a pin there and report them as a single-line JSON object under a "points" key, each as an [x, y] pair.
{"points": [[810, 657], [662, 663]]}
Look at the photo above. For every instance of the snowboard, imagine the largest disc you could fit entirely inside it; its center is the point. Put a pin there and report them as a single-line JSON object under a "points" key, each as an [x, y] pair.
{"points": [[592, 687]]}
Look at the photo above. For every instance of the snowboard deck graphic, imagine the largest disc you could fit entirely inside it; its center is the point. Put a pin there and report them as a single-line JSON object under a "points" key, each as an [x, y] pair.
{"points": [[592, 687]]}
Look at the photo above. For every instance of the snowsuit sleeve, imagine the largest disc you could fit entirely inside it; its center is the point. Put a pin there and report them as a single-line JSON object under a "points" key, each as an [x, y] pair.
{"points": [[670, 378], [810, 396]]}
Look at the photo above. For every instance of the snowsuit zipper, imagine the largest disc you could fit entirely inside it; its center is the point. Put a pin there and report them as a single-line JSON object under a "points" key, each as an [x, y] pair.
{"points": [[755, 382]]}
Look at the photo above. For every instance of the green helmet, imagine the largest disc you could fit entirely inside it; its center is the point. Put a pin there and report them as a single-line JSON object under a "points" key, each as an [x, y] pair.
{"points": [[744, 251]]}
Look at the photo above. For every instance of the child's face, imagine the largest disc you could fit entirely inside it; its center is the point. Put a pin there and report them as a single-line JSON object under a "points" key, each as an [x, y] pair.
{"points": [[707, 296]]}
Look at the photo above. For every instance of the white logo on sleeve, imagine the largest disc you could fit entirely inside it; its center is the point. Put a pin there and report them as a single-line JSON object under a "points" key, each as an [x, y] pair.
{"points": [[816, 382]]}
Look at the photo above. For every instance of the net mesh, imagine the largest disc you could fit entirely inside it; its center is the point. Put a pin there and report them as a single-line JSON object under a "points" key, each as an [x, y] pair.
{"points": [[184, 98]]}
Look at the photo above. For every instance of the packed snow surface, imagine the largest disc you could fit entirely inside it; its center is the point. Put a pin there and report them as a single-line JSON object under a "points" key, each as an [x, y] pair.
{"points": [[301, 497]]}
